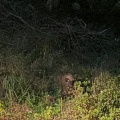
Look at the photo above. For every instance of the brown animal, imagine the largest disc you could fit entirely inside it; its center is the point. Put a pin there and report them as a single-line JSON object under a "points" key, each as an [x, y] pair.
{"points": [[67, 85]]}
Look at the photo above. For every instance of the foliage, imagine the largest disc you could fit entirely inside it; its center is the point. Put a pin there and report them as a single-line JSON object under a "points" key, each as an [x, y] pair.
{"points": [[96, 106], [1, 108], [34, 50], [103, 104]]}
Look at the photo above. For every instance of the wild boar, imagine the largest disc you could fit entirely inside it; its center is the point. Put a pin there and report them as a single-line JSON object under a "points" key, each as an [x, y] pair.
{"points": [[67, 85]]}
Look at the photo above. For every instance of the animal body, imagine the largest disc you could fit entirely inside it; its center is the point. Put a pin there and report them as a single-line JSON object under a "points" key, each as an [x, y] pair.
{"points": [[67, 85]]}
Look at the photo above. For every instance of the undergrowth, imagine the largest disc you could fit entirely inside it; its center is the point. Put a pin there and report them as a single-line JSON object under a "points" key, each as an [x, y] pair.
{"points": [[34, 54], [101, 104], [30, 90]]}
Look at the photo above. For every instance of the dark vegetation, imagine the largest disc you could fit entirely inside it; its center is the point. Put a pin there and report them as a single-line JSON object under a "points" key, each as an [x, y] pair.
{"points": [[40, 39]]}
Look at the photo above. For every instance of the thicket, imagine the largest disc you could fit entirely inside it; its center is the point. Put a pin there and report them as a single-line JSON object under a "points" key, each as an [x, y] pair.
{"points": [[36, 45]]}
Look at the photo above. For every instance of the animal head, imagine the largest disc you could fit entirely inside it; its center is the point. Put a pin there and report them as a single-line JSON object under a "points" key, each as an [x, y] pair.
{"points": [[67, 84]]}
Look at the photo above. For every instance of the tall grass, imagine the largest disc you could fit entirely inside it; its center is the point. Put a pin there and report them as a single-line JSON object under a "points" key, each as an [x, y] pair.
{"points": [[30, 89]]}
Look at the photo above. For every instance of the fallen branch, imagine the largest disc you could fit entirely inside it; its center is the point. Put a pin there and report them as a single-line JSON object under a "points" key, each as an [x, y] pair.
{"points": [[9, 13]]}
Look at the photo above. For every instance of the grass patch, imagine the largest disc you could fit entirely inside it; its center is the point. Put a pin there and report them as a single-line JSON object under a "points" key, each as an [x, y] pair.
{"points": [[30, 90]]}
